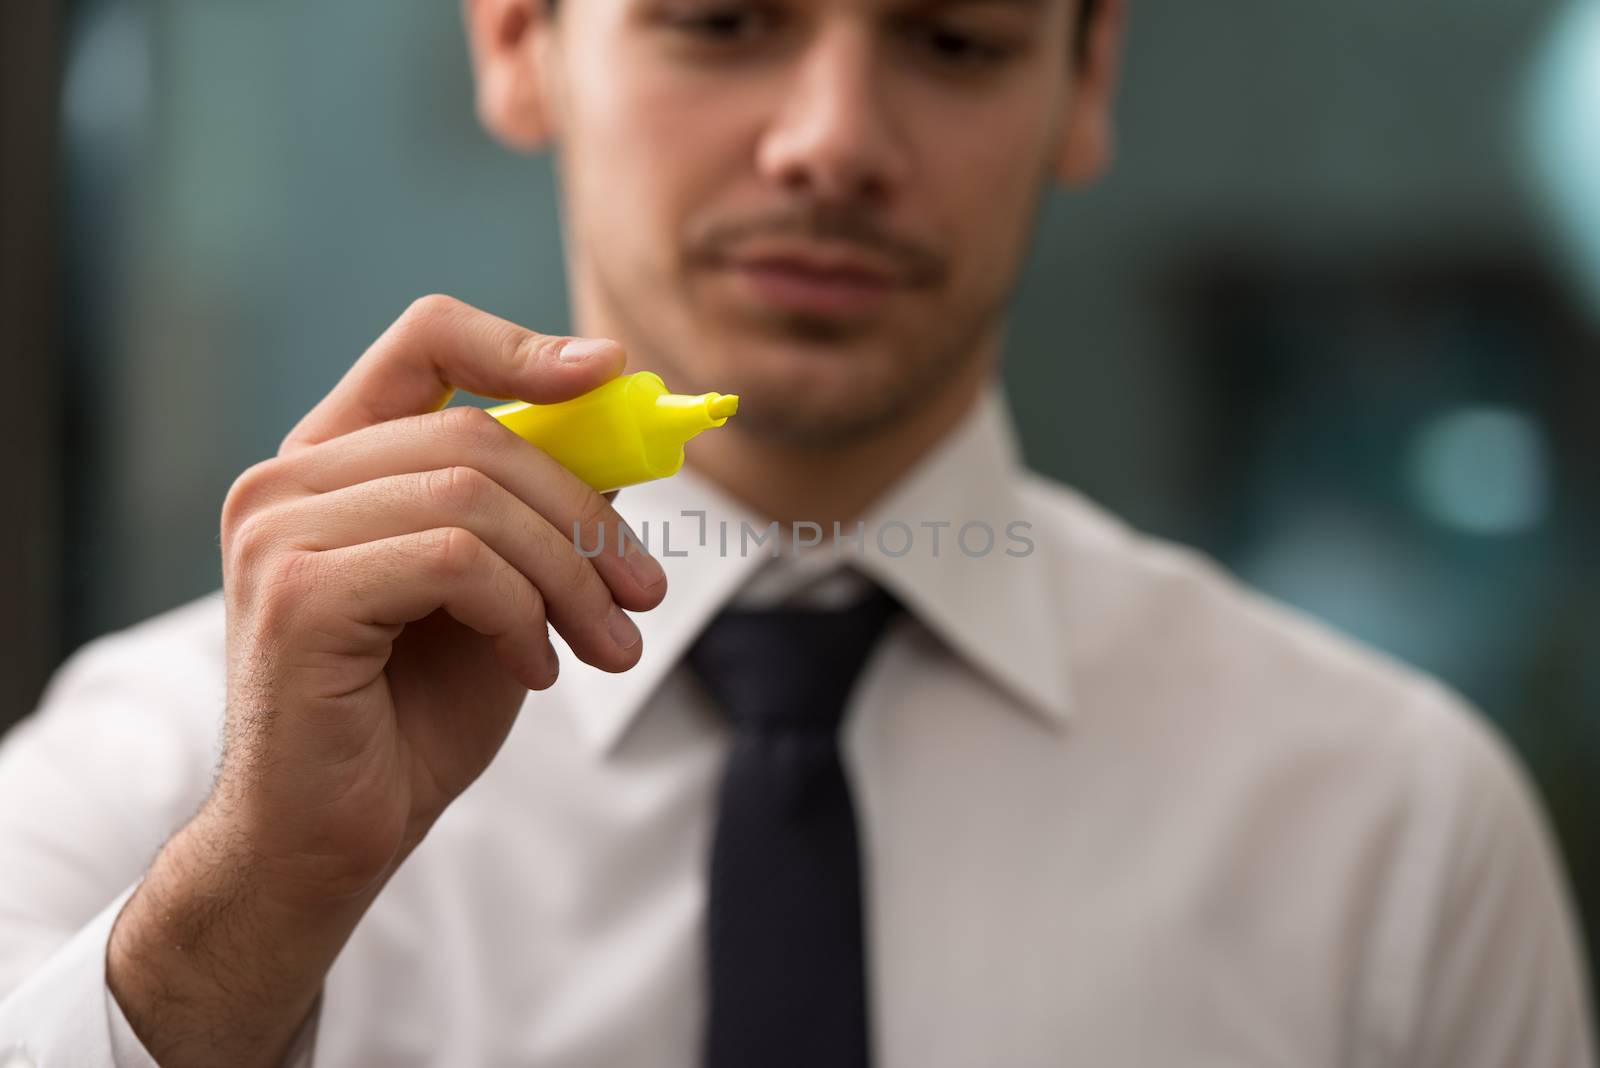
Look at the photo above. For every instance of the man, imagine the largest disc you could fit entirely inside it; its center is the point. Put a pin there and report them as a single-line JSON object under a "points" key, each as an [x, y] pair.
{"points": [[1043, 792]]}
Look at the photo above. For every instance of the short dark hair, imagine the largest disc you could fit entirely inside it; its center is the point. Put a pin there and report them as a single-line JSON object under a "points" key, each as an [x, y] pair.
{"points": [[1086, 10]]}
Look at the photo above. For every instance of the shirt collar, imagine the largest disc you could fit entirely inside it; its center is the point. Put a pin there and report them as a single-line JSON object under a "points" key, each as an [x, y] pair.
{"points": [[954, 540]]}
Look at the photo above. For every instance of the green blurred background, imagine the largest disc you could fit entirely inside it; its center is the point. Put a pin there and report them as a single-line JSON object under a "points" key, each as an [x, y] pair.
{"points": [[1326, 320]]}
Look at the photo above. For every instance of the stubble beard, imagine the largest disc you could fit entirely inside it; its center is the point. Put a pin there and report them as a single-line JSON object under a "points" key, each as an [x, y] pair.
{"points": [[914, 377]]}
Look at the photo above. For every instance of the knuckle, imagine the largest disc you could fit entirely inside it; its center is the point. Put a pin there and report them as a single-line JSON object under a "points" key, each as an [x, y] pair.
{"points": [[458, 488], [537, 612], [578, 573], [529, 349], [284, 587], [247, 492], [451, 551], [248, 543], [560, 566], [471, 424], [568, 569], [596, 526], [512, 586], [594, 514], [431, 308]]}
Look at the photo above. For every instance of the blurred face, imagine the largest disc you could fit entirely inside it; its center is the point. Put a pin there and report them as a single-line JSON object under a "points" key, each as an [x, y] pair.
{"points": [[820, 205]]}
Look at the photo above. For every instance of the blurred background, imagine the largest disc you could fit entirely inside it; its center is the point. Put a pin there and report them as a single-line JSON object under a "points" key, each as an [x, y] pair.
{"points": [[1332, 319]]}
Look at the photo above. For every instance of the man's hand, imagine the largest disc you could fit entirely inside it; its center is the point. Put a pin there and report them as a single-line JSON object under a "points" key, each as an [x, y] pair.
{"points": [[388, 580]]}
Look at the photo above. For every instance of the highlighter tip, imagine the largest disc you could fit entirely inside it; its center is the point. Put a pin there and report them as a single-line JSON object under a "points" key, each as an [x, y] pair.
{"points": [[723, 405]]}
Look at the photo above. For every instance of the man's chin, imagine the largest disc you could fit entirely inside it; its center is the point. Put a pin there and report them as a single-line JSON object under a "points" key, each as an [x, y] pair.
{"points": [[811, 380], [816, 398]]}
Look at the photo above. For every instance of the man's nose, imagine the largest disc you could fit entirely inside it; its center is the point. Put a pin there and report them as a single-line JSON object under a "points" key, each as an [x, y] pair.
{"points": [[833, 136]]}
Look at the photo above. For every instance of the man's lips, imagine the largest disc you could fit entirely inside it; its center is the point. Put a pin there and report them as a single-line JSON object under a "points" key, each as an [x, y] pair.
{"points": [[815, 285]]}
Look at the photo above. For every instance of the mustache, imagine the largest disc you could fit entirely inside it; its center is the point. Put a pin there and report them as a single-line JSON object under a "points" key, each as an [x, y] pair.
{"points": [[913, 261]]}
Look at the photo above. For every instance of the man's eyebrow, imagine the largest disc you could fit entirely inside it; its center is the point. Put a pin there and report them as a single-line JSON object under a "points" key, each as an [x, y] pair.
{"points": [[925, 6], [983, 3]]}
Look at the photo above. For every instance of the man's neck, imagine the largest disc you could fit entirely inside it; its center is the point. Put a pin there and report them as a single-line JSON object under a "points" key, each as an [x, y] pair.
{"points": [[826, 484]]}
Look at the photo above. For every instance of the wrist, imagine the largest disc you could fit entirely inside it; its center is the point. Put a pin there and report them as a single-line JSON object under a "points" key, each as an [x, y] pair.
{"points": [[305, 860], [208, 965]]}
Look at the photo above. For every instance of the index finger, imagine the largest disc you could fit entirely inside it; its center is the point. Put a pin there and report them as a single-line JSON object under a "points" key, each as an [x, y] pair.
{"points": [[440, 345]]}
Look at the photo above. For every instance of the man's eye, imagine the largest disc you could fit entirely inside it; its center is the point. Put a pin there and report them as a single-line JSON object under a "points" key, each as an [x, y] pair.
{"points": [[955, 47], [722, 24]]}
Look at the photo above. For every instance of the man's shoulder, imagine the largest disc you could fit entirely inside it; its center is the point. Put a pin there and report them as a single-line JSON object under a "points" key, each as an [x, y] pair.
{"points": [[1164, 642], [1148, 608], [177, 652], [1300, 747]]}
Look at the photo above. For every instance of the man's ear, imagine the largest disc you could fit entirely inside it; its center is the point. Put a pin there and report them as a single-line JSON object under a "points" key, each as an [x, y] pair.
{"points": [[1088, 140], [506, 39]]}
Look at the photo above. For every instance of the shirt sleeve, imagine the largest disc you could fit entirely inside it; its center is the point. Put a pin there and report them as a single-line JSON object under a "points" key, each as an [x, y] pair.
{"points": [[50, 1018], [57, 1016], [1495, 977]]}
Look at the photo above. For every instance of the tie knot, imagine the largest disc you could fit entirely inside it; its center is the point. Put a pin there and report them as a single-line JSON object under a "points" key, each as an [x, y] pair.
{"points": [[789, 668]]}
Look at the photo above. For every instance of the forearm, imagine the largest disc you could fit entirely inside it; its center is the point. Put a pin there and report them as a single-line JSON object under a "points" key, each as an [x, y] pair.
{"points": [[207, 967]]}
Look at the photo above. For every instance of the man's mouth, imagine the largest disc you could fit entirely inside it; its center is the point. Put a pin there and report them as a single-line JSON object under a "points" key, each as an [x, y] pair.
{"points": [[814, 281]]}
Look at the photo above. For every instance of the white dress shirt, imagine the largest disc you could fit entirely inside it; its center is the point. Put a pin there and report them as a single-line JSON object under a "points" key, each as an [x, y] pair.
{"points": [[1116, 810]]}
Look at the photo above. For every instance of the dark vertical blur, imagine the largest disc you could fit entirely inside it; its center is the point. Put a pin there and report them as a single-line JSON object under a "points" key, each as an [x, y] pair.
{"points": [[31, 639]]}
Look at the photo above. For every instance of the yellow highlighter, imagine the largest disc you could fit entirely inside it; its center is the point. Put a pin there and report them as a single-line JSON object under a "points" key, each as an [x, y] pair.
{"points": [[627, 431]]}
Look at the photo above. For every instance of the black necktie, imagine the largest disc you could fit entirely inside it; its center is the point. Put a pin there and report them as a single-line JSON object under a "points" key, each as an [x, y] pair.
{"points": [[785, 945]]}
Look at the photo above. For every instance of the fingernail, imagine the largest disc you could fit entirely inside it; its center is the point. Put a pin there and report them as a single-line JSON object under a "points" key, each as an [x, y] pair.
{"points": [[646, 569], [623, 631], [578, 349]]}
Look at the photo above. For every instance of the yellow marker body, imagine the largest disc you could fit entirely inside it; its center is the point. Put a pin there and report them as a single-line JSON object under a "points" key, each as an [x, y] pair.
{"points": [[627, 431]]}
